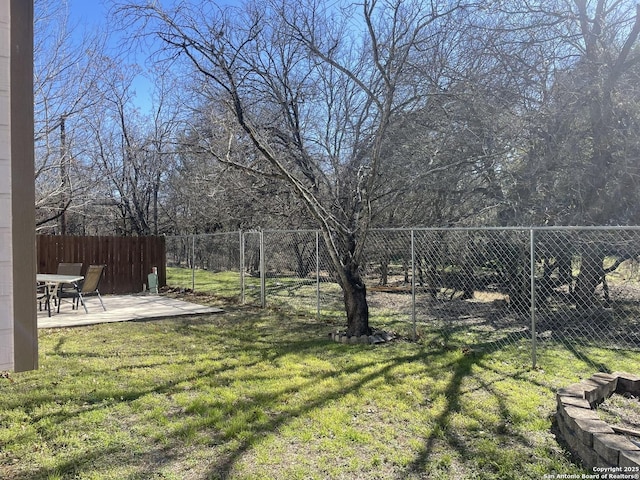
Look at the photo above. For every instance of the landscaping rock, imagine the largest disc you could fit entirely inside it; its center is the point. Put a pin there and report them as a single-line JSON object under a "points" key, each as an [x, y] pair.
{"points": [[377, 337]]}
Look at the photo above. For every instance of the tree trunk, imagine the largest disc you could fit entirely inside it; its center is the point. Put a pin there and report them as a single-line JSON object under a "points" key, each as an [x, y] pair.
{"points": [[64, 179], [346, 267], [518, 278], [384, 273], [590, 276], [356, 306], [303, 260], [565, 273]]}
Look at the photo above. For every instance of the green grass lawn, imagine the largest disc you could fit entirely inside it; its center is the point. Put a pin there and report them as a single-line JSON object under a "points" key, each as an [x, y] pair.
{"points": [[262, 394], [295, 292], [224, 284]]}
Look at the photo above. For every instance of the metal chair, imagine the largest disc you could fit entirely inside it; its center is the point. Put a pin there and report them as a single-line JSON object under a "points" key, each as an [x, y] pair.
{"points": [[69, 269], [43, 295], [74, 269], [89, 286]]}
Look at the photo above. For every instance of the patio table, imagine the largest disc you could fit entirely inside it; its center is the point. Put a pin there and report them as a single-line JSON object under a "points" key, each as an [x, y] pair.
{"points": [[53, 281]]}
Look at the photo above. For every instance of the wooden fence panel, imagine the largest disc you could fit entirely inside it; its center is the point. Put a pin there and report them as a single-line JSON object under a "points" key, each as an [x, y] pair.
{"points": [[128, 259]]}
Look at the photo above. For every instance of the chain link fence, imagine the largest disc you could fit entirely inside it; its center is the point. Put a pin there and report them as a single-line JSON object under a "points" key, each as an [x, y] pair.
{"points": [[536, 289]]}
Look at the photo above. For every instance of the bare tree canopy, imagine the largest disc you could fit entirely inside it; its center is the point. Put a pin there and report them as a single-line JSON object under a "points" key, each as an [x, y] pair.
{"points": [[64, 89], [312, 89]]}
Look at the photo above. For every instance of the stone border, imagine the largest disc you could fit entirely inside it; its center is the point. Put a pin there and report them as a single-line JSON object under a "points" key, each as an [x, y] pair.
{"points": [[377, 336], [589, 437]]}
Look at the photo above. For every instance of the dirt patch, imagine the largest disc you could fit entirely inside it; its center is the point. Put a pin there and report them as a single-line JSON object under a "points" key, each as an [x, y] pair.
{"points": [[621, 410]]}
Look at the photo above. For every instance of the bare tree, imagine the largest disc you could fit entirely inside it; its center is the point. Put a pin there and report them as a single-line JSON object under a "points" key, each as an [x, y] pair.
{"points": [[64, 88], [160, 147], [578, 63], [446, 161], [132, 151], [205, 197], [311, 88]]}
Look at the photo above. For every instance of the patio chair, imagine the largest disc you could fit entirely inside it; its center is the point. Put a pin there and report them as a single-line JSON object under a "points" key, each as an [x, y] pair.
{"points": [[66, 269], [69, 269], [43, 295], [88, 286]]}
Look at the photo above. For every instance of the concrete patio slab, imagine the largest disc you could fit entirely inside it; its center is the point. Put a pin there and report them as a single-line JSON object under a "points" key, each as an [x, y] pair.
{"points": [[121, 308]]}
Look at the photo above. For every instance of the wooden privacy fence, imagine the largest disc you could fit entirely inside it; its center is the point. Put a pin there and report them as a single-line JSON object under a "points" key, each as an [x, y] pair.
{"points": [[128, 259]]}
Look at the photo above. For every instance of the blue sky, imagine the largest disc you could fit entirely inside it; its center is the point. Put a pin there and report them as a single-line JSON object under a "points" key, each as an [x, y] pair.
{"points": [[87, 10], [88, 15]]}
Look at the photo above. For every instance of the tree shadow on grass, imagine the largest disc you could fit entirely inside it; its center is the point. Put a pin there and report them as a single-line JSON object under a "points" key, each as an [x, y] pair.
{"points": [[502, 434], [238, 350], [453, 440], [462, 369], [249, 343], [223, 467]]}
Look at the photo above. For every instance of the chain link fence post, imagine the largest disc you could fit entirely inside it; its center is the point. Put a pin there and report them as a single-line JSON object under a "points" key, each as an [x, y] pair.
{"points": [[193, 263], [532, 265], [413, 285], [241, 252], [317, 274], [263, 272]]}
